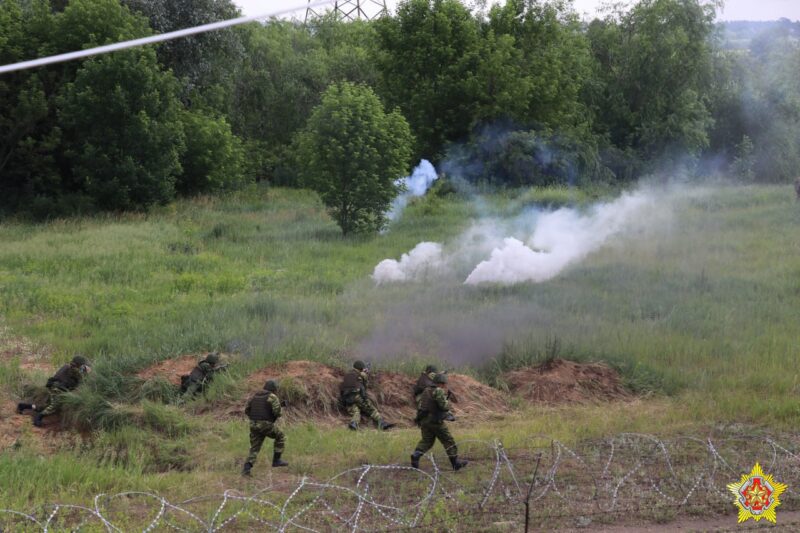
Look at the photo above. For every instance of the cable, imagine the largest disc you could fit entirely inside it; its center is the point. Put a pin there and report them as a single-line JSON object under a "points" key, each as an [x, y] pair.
{"points": [[69, 56]]}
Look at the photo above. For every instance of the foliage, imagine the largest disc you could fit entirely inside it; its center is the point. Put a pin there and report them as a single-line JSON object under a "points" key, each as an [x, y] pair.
{"points": [[351, 152], [287, 68], [123, 168], [435, 43], [655, 66], [214, 157], [206, 64]]}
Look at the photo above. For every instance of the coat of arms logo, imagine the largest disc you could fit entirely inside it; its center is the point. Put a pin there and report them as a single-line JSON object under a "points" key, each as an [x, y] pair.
{"points": [[757, 495]]}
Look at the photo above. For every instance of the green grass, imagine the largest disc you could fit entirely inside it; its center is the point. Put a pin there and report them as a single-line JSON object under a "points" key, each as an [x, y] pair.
{"points": [[701, 312]]}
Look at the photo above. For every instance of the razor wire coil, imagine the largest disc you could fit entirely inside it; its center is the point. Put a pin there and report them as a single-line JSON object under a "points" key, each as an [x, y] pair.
{"points": [[626, 475]]}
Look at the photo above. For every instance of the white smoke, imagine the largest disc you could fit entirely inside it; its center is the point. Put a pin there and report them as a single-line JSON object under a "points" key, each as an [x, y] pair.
{"points": [[560, 238], [533, 247], [416, 184], [425, 258]]}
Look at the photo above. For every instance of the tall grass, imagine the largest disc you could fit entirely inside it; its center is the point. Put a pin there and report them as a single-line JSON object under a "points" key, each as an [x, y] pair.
{"points": [[703, 310]]}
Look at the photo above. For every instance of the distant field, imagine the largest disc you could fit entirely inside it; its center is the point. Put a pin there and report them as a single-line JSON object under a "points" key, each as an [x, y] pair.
{"points": [[699, 314]]}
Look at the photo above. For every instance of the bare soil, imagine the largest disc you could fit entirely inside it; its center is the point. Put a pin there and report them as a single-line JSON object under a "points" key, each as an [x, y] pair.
{"points": [[559, 381]]}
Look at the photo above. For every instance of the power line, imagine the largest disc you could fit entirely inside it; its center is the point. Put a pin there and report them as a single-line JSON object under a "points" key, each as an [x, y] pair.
{"points": [[69, 56]]}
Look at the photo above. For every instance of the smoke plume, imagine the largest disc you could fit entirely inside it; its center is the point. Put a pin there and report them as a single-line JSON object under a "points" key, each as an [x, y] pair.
{"points": [[416, 184], [534, 246]]}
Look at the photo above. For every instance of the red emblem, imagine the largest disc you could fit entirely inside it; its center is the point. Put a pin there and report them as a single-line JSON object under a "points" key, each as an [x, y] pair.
{"points": [[756, 495]]}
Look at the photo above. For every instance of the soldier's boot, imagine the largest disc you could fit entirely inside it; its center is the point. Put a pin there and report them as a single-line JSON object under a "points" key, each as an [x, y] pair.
{"points": [[37, 420], [385, 425], [276, 460], [415, 458], [353, 426], [246, 469], [457, 464], [23, 406]]}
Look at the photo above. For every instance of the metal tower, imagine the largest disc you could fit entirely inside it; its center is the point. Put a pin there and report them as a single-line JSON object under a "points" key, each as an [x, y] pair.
{"points": [[354, 9]]}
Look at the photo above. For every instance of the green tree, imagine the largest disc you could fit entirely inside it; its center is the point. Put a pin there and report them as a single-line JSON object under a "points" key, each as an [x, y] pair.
{"points": [[206, 64], [287, 68], [123, 135], [553, 61], [214, 157], [429, 55], [28, 134], [352, 152], [656, 69]]}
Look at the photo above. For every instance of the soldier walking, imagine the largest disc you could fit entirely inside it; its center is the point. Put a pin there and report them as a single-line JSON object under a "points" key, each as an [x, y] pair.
{"points": [[264, 410], [66, 379], [201, 375], [434, 410], [353, 395]]}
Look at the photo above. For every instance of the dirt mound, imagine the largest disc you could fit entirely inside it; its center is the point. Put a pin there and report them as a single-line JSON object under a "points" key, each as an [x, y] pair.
{"points": [[173, 369], [170, 369], [559, 381], [311, 390]]}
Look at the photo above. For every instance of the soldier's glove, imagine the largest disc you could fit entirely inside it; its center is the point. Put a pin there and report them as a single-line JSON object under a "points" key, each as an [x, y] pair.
{"points": [[283, 403], [450, 418], [449, 393]]}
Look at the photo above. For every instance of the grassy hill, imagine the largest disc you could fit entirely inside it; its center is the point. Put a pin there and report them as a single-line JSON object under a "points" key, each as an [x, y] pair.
{"points": [[698, 312]]}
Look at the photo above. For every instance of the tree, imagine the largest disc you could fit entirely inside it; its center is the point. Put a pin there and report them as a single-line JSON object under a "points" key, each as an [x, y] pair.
{"points": [[123, 132], [214, 157], [428, 56], [206, 63], [351, 152], [656, 70]]}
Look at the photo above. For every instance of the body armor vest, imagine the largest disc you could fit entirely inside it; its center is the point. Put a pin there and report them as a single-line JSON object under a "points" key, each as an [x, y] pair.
{"points": [[260, 409], [67, 378], [351, 382], [423, 383], [428, 403]]}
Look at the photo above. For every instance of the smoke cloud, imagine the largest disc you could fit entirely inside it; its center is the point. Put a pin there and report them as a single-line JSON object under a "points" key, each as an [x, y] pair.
{"points": [[559, 239], [416, 184], [425, 258], [535, 246]]}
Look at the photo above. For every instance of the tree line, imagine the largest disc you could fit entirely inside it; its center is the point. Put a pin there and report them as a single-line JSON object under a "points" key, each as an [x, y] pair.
{"points": [[524, 93]]}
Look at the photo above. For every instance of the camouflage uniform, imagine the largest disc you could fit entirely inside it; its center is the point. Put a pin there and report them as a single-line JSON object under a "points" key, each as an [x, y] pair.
{"points": [[201, 375], [434, 410], [425, 380], [66, 379], [264, 410], [353, 392]]}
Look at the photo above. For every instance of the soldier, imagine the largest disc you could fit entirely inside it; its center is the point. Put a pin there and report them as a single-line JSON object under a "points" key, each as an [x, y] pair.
{"points": [[201, 375], [434, 410], [353, 395], [66, 379], [425, 380], [264, 410]]}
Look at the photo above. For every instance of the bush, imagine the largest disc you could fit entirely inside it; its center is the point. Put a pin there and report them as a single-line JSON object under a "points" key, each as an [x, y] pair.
{"points": [[351, 152], [214, 156]]}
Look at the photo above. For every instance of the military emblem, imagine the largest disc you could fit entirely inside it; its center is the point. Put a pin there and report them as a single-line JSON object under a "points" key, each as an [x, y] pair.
{"points": [[757, 495]]}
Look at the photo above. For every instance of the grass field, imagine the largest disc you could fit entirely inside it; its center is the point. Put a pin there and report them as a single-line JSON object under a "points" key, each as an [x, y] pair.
{"points": [[698, 313]]}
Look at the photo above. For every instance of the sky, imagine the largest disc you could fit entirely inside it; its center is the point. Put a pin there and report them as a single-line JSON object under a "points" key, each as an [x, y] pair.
{"points": [[734, 9]]}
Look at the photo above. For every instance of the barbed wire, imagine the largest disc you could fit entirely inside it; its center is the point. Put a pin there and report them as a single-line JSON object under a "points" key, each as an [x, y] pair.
{"points": [[633, 477]]}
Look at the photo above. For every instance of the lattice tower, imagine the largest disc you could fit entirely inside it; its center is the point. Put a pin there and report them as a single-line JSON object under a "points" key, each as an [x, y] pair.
{"points": [[354, 9]]}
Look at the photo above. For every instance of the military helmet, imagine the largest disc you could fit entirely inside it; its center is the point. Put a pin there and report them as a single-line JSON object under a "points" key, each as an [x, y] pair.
{"points": [[440, 378], [430, 368], [80, 360], [212, 358], [271, 386], [359, 365]]}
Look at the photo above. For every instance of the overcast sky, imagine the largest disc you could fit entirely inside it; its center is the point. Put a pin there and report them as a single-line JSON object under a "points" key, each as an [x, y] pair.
{"points": [[734, 9]]}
